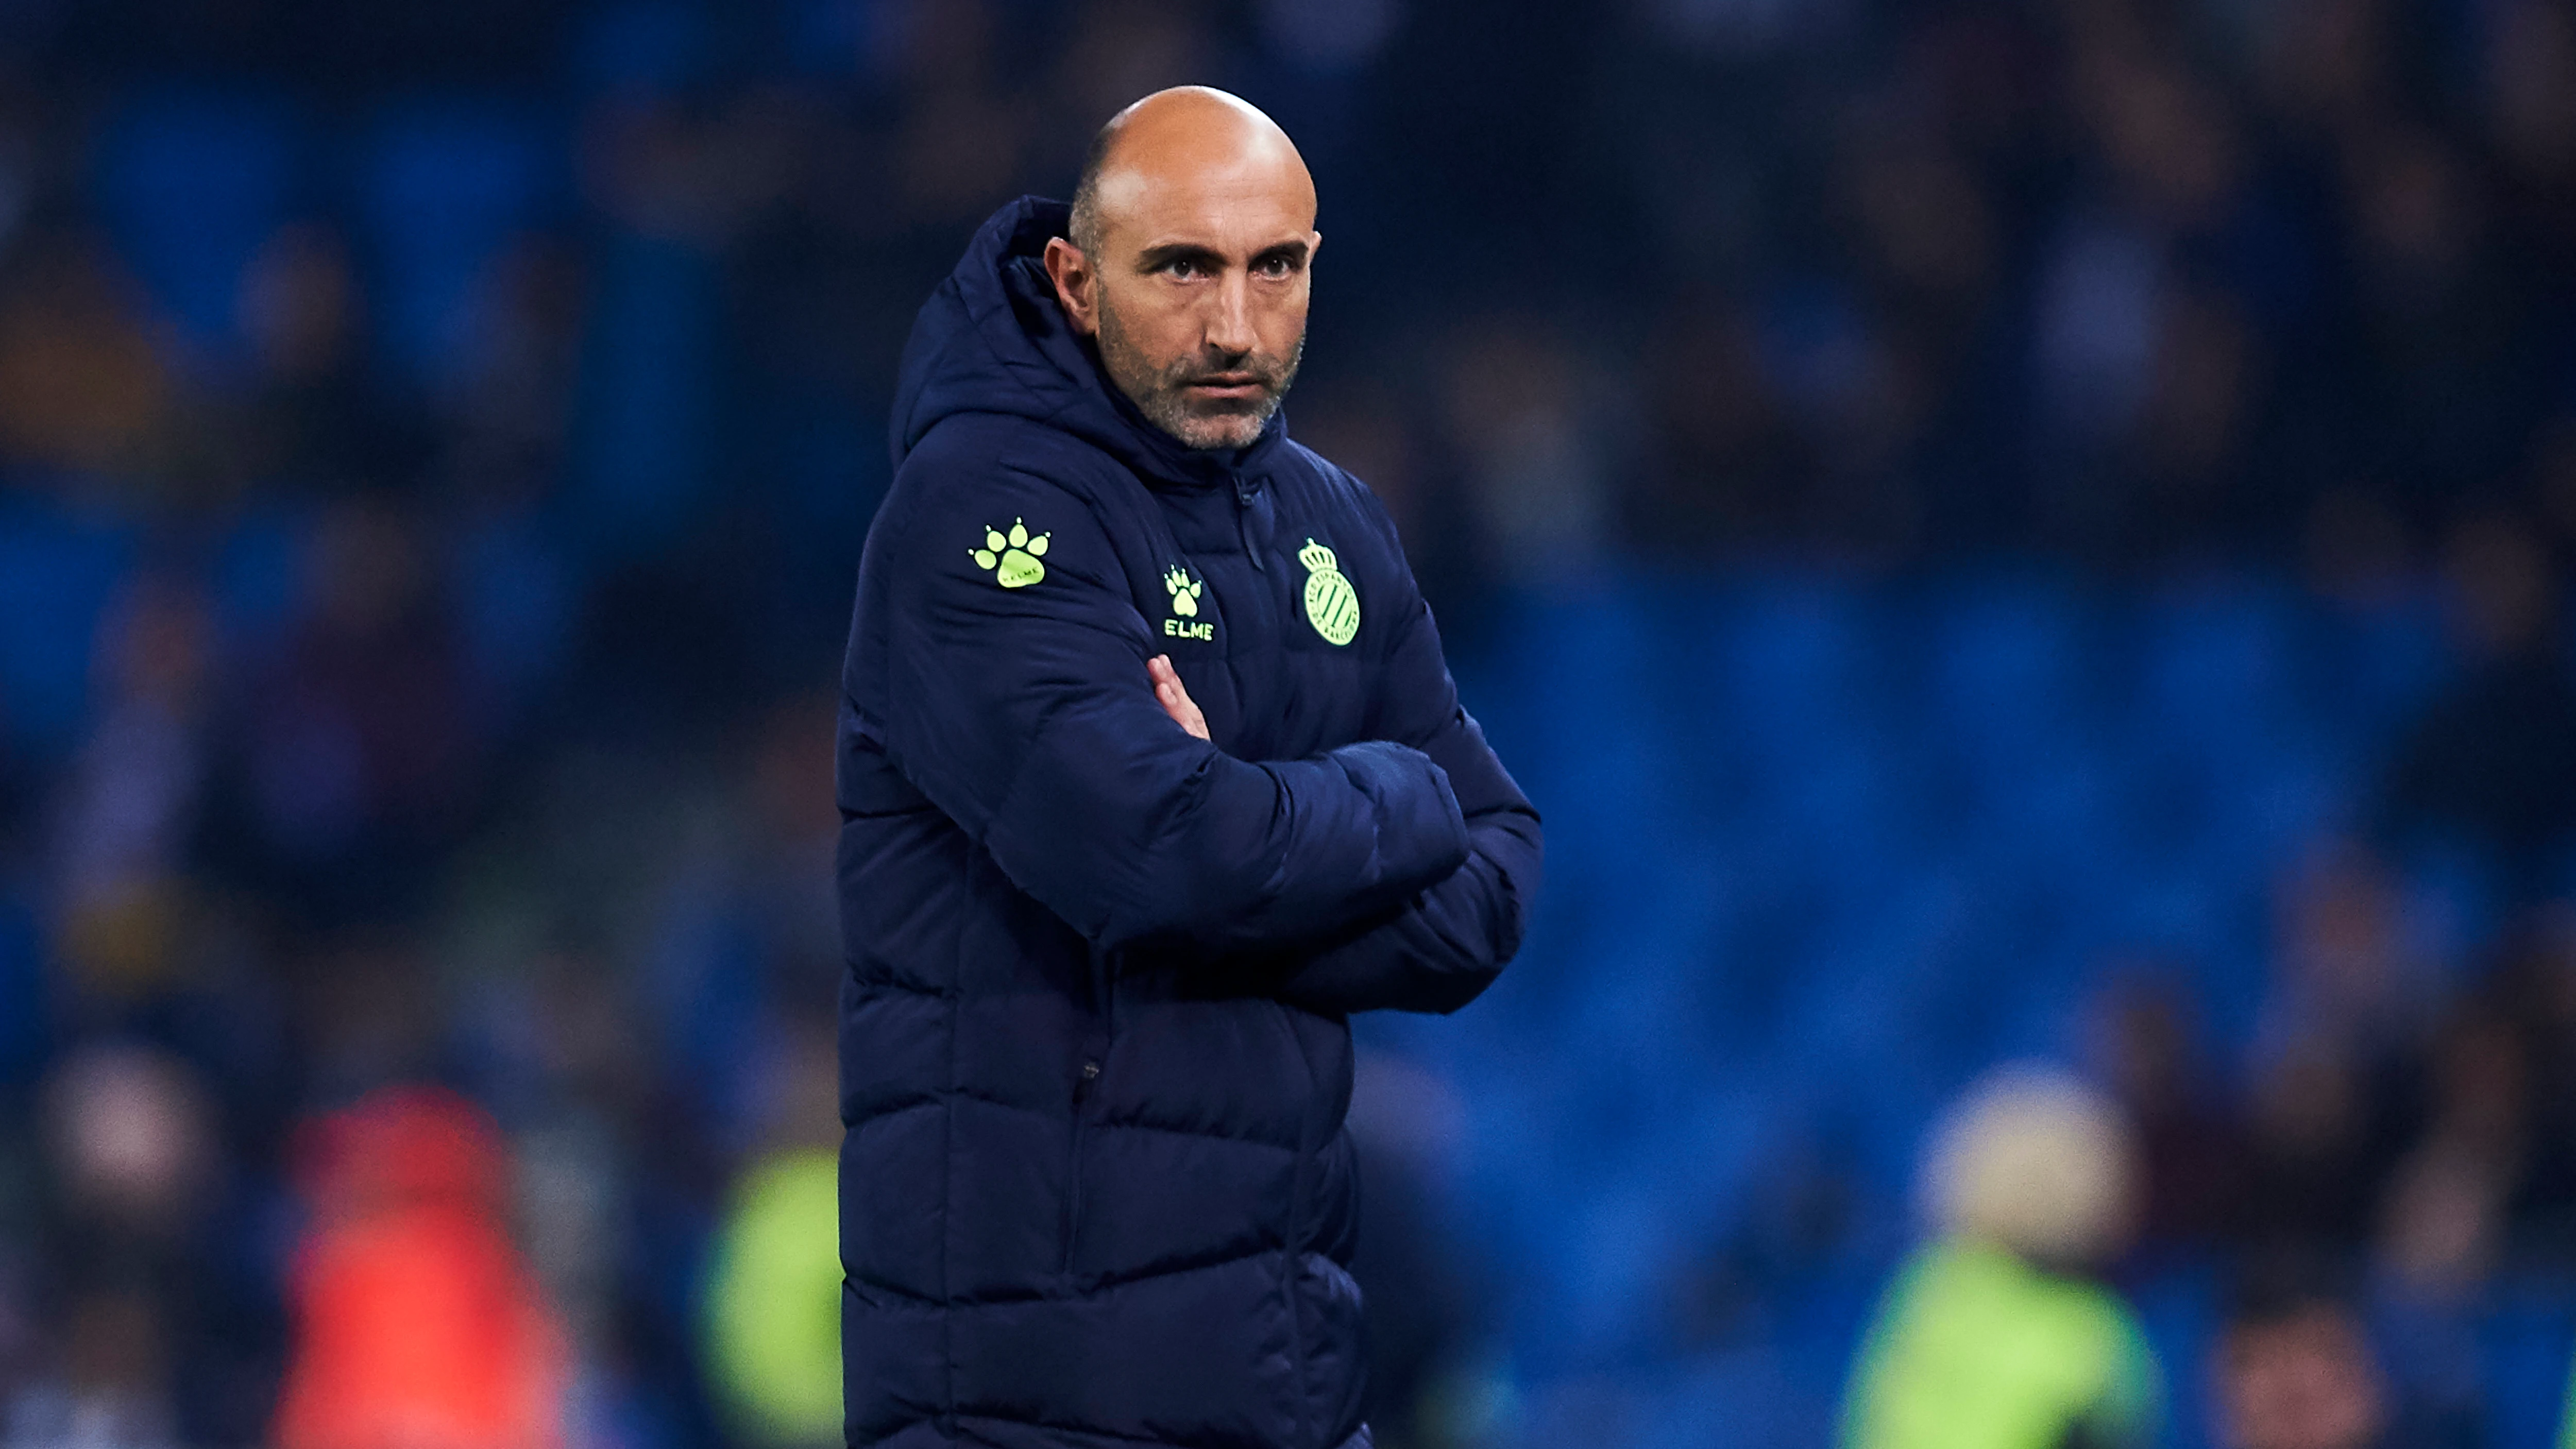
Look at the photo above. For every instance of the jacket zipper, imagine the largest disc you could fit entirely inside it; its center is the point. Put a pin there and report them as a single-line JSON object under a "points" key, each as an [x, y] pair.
{"points": [[1243, 492], [1073, 1165]]}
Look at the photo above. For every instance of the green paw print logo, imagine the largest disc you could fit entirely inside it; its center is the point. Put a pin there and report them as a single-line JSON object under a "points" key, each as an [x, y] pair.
{"points": [[1186, 593], [1332, 605], [1013, 557]]}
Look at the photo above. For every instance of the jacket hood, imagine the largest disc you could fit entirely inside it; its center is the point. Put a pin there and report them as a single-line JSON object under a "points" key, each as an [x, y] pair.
{"points": [[993, 339]]}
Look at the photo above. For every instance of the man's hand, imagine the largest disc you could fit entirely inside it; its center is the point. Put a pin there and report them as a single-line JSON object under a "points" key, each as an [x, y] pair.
{"points": [[1174, 698]]}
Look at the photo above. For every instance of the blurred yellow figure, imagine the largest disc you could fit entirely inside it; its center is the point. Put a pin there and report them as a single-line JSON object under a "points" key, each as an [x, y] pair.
{"points": [[774, 1302], [1990, 1338]]}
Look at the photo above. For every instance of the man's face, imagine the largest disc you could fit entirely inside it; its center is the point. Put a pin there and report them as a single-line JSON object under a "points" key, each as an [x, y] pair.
{"points": [[1198, 299], [2307, 1382]]}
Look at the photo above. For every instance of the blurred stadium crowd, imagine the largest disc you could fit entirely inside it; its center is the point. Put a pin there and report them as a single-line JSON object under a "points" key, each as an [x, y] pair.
{"points": [[1993, 529]]}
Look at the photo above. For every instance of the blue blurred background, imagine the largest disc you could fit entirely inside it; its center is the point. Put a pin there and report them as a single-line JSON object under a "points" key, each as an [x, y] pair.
{"points": [[1992, 529]]}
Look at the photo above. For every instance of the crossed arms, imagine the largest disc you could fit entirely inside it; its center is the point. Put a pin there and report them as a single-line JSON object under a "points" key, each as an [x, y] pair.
{"points": [[1387, 873]]}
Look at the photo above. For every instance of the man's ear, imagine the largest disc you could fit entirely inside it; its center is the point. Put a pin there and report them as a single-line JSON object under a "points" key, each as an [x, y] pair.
{"points": [[1077, 286]]}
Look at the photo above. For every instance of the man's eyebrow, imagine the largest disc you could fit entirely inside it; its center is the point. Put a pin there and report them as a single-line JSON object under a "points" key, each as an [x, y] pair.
{"points": [[1155, 258]]}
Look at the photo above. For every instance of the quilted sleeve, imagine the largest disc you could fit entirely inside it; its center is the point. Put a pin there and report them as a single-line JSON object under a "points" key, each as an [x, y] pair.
{"points": [[1449, 942]]}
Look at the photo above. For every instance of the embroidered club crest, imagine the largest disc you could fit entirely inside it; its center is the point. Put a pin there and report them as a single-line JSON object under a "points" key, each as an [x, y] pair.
{"points": [[1332, 605]]}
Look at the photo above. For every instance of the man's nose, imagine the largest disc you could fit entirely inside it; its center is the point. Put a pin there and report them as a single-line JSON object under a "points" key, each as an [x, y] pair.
{"points": [[1229, 323]]}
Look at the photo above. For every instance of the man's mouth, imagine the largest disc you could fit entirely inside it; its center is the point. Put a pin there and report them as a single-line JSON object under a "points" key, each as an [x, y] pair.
{"points": [[1233, 385]]}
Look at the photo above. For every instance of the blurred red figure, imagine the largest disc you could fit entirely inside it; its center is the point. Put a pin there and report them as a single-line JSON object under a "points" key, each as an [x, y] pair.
{"points": [[416, 1324]]}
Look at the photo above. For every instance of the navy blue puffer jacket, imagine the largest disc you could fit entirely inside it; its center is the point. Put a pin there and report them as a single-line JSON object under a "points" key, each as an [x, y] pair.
{"points": [[1095, 1189]]}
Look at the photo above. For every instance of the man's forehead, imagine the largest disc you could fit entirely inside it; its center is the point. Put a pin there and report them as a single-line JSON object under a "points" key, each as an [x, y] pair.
{"points": [[1242, 205], [1193, 165]]}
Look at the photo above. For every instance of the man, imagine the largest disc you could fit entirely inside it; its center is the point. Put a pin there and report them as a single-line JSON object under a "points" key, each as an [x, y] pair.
{"points": [[2293, 1369], [1993, 1335], [1150, 774], [417, 1321]]}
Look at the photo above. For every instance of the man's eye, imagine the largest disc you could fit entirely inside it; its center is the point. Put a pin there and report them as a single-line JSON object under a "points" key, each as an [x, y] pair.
{"points": [[1184, 268], [1276, 268]]}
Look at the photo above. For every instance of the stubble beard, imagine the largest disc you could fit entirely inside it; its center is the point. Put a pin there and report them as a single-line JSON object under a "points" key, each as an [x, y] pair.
{"points": [[1162, 393]]}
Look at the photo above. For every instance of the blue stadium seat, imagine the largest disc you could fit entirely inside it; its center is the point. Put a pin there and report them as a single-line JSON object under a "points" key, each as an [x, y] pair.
{"points": [[2220, 669], [25, 1024], [2525, 1348], [1745, 1398], [192, 181], [1566, 662], [644, 448], [2454, 899], [516, 602], [2380, 663], [257, 582], [2179, 1309], [443, 187], [57, 577], [2011, 664], [1797, 667], [645, 47]]}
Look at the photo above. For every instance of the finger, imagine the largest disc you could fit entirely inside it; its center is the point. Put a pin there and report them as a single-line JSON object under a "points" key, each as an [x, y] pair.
{"points": [[1174, 697], [1185, 711]]}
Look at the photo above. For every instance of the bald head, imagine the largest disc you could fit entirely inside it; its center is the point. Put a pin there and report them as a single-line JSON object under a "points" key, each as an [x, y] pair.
{"points": [[1192, 232], [1186, 137]]}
